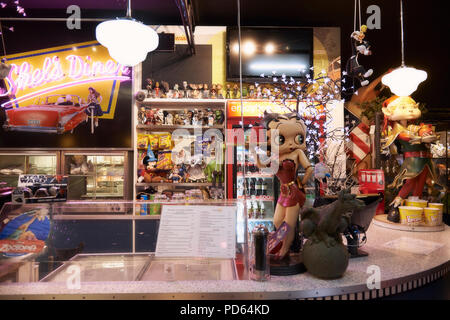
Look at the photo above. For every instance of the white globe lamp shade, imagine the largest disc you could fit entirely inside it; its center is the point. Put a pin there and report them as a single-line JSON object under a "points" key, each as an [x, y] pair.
{"points": [[127, 40], [403, 81]]}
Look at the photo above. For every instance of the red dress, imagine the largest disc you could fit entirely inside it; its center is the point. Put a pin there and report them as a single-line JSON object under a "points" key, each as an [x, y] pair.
{"points": [[290, 194]]}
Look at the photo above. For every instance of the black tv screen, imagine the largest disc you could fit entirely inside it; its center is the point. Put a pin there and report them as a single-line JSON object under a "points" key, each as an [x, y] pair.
{"points": [[268, 51]]}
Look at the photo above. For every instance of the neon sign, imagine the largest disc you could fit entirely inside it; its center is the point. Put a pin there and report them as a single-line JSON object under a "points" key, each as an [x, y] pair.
{"points": [[67, 69]]}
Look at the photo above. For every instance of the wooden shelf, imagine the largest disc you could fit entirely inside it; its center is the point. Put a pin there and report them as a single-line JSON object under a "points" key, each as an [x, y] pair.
{"points": [[181, 184], [182, 103], [175, 127]]}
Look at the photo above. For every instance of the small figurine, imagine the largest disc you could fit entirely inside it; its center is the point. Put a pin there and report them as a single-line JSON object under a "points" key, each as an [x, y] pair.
{"points": [[236, 92], [196, 118], [258, 93], [219, 116], [205, 94], [213, 92], [142, 116], [165, 89], [175, 174], [219, 91], [149, 87], [228, 91], [176, 91], [168, 118], [359, 46], [150, 115], [157, 91], [189, 116], [251, 92], [195, 93], [186, 91], [210, 118], [159, 117]]}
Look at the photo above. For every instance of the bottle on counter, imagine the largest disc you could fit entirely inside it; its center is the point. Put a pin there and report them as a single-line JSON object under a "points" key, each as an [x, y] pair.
{"points": [[259, 254], [258, 187], [250, 211], [264, 188], [256, 210], [252, 186], [262, 210]]}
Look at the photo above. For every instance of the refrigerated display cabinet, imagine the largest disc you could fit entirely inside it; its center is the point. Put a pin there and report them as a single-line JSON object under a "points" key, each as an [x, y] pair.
{"points": [[13, 164], [96, 175]]}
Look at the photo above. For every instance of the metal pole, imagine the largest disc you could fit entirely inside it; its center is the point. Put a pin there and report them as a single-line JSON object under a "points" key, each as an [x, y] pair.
{"points": [[401, 24], [377, 143], [129, 9]]}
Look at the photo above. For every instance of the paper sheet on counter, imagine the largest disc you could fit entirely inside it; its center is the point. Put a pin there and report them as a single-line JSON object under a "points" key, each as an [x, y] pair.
{"points": [[197, 231]]}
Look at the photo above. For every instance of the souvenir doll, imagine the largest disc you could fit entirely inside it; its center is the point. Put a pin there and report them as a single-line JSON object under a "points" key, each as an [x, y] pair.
{"points": [[168, 118], [159, 117], [186, 91], [189, 116], [359, 46], [175, 174], [142, 116], [258, 93], [219, 116], [195, 92], [210, 118], [205, 94], [213, 94], [149, 87], [228, 91], [251, 91], [235, 92], [219, 91], [157, 90], [196, 118], [289, 134], [150, 173], [417, 168], [165, 89], [150, 116], [176, 91]]}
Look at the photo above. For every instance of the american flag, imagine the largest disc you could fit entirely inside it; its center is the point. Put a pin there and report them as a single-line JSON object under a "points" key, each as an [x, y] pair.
{"points": [[359, 144]]}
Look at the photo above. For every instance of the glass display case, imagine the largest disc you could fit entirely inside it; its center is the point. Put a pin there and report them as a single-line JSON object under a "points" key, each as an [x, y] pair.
{"points": [[95, 175], [108, 242], [16, 163]]}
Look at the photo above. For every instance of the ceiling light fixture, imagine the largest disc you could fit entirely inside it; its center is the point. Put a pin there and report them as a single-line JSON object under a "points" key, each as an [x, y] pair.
{"points": [[128, 41], [404, 80]]}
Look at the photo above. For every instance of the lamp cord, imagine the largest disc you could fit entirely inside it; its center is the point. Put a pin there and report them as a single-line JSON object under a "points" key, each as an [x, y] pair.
{"points": [[402, 35]]}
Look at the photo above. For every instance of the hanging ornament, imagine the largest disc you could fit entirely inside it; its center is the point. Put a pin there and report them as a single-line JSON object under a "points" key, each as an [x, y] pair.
{"points": [[360, 46]]}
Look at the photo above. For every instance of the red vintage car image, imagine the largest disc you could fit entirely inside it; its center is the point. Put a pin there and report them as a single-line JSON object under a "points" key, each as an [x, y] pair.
{"points": [[52, 114]]}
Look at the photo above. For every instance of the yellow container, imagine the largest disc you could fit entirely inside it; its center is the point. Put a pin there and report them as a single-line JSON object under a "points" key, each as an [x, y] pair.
{"points": [[416, 203], [411, 216], [433, 216], [440, 206]]}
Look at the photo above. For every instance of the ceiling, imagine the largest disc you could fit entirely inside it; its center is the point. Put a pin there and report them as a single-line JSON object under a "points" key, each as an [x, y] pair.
{"points": [[425, 47]]}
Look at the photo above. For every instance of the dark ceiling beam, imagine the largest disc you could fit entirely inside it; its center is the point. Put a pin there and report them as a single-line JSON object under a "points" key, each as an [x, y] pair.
{"points": [[187, 17]]}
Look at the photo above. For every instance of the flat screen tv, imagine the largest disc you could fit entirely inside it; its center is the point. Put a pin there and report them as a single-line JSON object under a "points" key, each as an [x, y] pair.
{"points": [[269, 51]]}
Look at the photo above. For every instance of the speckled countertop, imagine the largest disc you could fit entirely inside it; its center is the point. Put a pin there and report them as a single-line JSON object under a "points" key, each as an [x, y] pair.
{"points": [[394, 264]]}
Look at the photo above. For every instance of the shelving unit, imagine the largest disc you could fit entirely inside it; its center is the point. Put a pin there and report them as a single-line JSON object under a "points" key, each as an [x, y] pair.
{"points": [[174, 105]]}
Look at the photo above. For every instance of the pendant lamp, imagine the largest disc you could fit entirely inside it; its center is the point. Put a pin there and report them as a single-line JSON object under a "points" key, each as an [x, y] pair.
{"points": [[404, 80], [128, 41]]}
